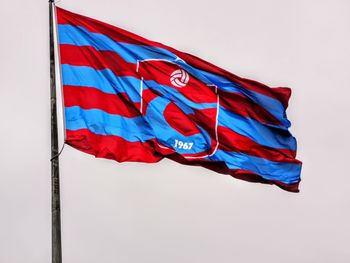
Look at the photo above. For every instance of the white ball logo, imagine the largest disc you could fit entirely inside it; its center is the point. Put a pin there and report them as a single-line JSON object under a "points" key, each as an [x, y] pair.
{"points": [[179, 78]]}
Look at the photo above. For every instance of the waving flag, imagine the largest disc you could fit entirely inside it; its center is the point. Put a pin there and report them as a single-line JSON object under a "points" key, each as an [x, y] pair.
{"points": [[131, 99]]}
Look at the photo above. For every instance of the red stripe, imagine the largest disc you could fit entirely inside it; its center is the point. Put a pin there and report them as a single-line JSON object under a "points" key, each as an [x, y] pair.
{"points": [[96, 26], [91, 98], [89, 56], [242, 105], [120, 35], [233, 142], [113, 147]]}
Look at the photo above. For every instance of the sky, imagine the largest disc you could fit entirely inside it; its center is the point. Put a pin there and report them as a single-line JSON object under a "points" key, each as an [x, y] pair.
{"points": [[167, 212]]}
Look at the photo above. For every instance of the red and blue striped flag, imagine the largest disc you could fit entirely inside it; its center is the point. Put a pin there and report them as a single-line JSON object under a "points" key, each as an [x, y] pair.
{"points": [[131, 99]]}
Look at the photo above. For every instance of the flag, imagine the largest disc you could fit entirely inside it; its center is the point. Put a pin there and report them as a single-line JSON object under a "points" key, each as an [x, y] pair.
{"points": [[127, 98]]}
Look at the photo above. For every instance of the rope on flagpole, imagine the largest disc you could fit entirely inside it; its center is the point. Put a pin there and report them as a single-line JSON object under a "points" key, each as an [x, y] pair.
{"points": [[58, 155]]}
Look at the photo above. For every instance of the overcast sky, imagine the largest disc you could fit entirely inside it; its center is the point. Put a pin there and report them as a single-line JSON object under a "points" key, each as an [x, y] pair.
{"points": [[166, 212]]}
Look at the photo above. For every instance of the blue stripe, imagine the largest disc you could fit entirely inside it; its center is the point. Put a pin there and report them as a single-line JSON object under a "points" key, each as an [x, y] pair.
{"points": [[102, 123], [104, 80], [79, 36], [257, 131], [288, 173], [272, 105]]}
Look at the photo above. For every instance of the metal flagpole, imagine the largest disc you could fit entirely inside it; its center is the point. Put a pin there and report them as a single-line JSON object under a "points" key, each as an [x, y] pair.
{"points": [[55, 183]]}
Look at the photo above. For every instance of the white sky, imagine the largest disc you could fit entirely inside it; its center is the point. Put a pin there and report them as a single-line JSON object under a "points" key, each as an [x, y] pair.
{"points": [[166, 212]]}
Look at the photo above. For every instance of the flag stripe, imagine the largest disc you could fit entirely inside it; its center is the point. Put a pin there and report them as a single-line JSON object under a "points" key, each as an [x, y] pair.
{"points": [[112, 103], [113, 147], [285, 172], [93, 25], [244, 106], [273, 106], [104, 80], [102, 123], [89, 56], [232, 141], [260, 133]]}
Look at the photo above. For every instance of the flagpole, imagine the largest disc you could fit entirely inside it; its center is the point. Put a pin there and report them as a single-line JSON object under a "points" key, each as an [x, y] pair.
{"points": [[55, 182]]}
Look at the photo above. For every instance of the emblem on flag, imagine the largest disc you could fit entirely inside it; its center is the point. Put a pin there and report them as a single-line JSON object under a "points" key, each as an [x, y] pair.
{"points": [[179, 78]]}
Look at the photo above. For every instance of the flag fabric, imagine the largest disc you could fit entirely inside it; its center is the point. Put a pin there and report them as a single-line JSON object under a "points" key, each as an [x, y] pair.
{"points": [[127, 98]]}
